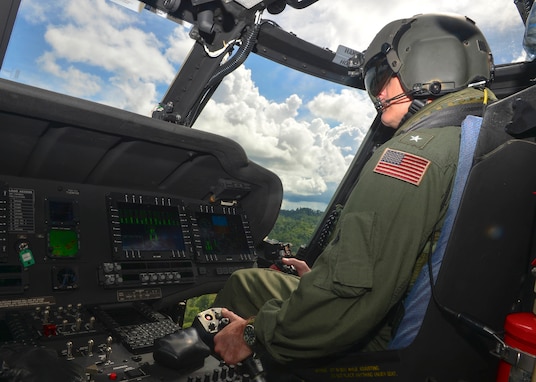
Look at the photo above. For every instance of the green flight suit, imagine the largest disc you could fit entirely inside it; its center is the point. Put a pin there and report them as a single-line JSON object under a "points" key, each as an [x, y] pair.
{"points": [[344, 301]]}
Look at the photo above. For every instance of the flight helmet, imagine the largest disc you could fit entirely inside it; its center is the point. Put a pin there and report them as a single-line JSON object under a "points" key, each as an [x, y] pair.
{"points": [[432, 55]]}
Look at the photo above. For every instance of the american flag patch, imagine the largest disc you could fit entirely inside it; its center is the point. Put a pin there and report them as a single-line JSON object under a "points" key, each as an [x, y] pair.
{"points": [[401, 165]]}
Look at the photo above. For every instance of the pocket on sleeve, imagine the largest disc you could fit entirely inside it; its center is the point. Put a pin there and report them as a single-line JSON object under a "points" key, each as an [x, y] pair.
{"points": [[352, 254]]}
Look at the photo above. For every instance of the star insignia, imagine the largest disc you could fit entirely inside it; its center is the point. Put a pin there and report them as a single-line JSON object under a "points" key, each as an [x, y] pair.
{"points": [[415, 138]]}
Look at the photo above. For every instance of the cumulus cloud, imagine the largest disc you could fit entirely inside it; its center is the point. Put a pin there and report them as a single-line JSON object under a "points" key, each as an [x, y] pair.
{"points": [[179, 44], [82, 84], [306, 153], [122, 61]]}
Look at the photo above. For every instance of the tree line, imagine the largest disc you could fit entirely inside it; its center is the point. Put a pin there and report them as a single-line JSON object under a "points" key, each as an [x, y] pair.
{"points": [[295, 226]]}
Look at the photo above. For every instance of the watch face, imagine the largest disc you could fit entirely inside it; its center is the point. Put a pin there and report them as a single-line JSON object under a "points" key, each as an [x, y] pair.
{"points": [[249, 335]]}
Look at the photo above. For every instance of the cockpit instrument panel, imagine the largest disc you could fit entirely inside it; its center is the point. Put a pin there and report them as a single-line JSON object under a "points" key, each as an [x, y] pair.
{"points": [[98, 244]]}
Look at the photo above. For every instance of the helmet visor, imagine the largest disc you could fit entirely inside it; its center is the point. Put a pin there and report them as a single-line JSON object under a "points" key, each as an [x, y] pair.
{"points": [[377, 73]]}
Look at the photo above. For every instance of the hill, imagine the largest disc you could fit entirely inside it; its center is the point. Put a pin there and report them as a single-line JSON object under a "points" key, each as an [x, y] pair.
{"points": [[295, 226]]}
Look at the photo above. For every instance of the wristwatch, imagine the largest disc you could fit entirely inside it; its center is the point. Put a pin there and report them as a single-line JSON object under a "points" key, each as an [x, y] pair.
{"points": [[249, 333]]}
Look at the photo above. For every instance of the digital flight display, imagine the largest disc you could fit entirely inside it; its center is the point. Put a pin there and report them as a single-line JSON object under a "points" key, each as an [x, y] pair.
{"points": [[221, 234], [63, 231], [61, 212], [63, 242], [146, 227]]}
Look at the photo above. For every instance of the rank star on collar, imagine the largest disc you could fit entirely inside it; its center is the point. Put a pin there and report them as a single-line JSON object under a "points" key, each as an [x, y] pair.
{"points": [[418, 139]]}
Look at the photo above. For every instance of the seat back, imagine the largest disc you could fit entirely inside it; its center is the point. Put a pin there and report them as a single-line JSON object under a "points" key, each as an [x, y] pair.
{"points": [[417, 301], [485, 264]]}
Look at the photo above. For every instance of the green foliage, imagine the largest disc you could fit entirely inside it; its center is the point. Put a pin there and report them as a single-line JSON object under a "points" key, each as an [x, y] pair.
{"points": [[295, 226], [196, 305]]}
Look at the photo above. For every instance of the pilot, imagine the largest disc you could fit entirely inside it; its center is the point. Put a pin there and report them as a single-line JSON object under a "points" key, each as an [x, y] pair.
{"points": [[425, 74]]}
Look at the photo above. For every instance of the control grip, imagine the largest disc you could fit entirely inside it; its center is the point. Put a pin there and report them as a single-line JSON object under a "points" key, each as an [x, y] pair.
{"points": [[208, 323], [285, 268]]}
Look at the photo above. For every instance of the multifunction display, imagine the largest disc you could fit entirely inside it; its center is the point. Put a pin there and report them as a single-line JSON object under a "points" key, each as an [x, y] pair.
{"points": [[148, 227]]}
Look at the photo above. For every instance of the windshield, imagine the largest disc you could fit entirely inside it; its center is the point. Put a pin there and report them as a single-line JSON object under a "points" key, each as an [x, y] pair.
{"points": [[304, 129]]}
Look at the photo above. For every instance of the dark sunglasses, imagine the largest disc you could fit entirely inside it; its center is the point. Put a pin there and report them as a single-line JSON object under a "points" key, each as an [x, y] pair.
{"points": [[377, 74]]}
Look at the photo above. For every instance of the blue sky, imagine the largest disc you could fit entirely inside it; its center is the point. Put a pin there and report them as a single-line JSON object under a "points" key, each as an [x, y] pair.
{"points": [[304, 129]]}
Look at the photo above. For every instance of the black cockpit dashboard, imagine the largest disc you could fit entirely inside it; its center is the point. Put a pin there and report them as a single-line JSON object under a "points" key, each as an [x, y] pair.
{"points": [[109, 221]]}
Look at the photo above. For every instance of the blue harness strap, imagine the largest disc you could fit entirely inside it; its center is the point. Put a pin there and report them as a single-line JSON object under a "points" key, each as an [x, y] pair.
{"points": [[416, 303]]}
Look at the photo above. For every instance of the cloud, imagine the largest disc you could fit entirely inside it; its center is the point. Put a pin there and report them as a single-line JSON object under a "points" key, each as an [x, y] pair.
{"points": [[179, 45], [354, 24], [113, 45], [306, 153], [36, 12]]}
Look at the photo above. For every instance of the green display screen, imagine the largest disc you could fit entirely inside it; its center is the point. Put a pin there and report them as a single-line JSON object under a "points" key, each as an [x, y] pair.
{"points": [[63, 242], [147, 227]]}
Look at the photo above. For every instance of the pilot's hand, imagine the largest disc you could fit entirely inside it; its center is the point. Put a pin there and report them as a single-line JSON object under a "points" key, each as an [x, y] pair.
{"points": [[229, 342], [300, 265]]}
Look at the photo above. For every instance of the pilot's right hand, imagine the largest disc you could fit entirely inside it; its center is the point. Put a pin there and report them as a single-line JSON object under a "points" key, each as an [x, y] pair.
{"points": [[300, 265], [229, 342]]}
